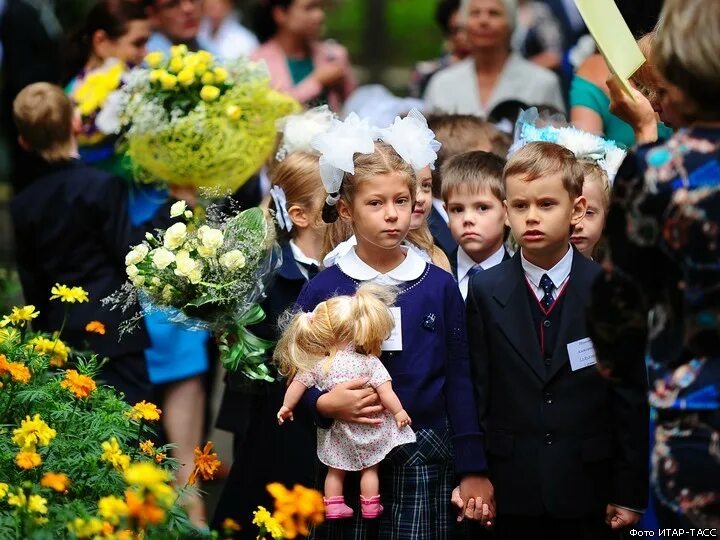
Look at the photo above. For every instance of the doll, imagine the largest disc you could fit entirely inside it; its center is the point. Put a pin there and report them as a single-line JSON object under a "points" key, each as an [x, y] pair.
{"points": [[340, 340]]}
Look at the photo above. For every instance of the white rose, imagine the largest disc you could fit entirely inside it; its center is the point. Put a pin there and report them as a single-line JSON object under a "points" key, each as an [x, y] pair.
{"points": [[132, 271], [205, 251], [149, 236], [212, 238], [232, 260], [188, 267], [136, 255], [175, 236], [138, 281], [195, 276], [178, 209], [162, 258], [188, 214]]}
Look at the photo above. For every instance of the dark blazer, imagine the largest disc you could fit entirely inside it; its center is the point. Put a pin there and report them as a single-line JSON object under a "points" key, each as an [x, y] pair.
{"points": [[72, 227], [559, 443], [441, 232]]}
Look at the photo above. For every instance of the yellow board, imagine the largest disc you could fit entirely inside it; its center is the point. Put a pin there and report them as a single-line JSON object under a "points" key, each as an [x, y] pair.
{"points": [[613, 38]]}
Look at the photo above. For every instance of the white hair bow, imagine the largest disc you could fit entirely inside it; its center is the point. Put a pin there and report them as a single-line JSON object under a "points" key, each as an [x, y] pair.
{"points": [[412, 140], [299, 130], [281, 214]]}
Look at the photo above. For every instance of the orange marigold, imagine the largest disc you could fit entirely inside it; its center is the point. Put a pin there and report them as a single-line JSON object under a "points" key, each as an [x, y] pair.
{"points": [[95, 327], [80, 385], [57, 481], [143, 511], [144, 411], [17, 371], [160, 457], [147, 448], [27, 460], [229, 526], [206, 464]]}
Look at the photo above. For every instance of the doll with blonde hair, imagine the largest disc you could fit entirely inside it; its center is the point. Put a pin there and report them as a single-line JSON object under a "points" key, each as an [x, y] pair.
{"points": [[339, 341]]}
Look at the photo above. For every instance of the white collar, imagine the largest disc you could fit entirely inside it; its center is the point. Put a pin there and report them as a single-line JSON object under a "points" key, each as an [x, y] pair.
{"points": [[439, 205], [465, 262], [558, 273], [410, 269], [300, 257]]}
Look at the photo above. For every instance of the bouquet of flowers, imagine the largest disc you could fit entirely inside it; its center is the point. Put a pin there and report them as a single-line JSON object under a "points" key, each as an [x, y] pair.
{"points": [[187, 119], [212, 269]]}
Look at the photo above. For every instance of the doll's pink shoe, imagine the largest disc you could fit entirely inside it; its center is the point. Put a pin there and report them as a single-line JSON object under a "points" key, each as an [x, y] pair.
{"points": [[335, 508], [371, 507]]}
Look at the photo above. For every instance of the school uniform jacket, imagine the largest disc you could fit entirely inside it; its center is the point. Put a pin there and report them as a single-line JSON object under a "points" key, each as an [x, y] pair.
{"points": [[559, 442], [441, 232]]}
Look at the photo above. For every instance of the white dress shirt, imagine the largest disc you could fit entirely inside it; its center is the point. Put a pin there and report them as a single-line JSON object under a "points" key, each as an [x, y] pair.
{"points": [[301, 259], [410, 269], [559, 274], [465, 264], [439, 205]]}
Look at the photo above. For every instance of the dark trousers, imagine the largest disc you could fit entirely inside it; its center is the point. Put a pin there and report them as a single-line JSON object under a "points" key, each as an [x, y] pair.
{"points": [[128, 374], [548, 528]]}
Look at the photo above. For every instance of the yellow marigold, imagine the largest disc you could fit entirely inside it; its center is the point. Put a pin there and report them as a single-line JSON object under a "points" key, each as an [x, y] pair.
{"points": [[229, 526], [80, 385], [154, 59], [112, 508], [112, 453], [206, 464], [146, 474], [32, 433], [147, 448], [69, 295], [17, 499], [85, 528], [143, 511], [27, 459], [57, 481], [263, 519], [56, 349], [3, 490], [209, 92], [20, 315], [37, 504], [95, 327], [145, 411], [298, 509], [160, 457]]}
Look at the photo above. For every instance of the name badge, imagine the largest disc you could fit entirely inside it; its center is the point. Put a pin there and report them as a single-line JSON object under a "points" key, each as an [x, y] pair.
{"points": [[394, 342], [582, 354]]}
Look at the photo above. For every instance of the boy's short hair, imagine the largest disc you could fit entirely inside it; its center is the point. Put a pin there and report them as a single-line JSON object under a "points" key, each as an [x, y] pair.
{"points": [[460, 133], [44, 117], [473, 171], [538, 159]]}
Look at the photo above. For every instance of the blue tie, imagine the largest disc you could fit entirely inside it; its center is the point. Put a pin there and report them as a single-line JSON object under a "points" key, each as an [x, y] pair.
{"points": [[547, 285], [474, 270]]}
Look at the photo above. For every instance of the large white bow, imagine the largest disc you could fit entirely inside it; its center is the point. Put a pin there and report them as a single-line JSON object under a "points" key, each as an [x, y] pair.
{"points": [[412, 140]]}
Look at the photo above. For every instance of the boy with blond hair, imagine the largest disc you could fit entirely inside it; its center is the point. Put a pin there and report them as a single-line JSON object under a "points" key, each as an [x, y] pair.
{"points": [[567, 448], [473, 194]]}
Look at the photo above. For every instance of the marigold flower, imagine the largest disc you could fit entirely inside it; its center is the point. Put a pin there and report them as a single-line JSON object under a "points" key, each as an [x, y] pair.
{"points": [[145, 411], [146, 474], [17, 371], [85, 528], [56, 349], [160, 457], [296, 510], [145, 511], [268, 524], [147, 448], [37, 504], [112, 453], [229, 526], [32, 433], [68, 295], [206, 464], [95, 327], [80, 385], [17, 499], [57, 481], [19, 316], [112, 508], [3, 490], [27, 459]]}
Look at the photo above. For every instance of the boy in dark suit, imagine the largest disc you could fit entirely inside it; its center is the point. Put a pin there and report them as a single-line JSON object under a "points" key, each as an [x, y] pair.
{"points": [[473, 194], [567, 448], [72, 227]]}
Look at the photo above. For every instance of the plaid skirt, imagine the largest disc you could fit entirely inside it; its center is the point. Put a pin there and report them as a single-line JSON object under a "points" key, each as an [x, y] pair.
{"points": [[416, 481]]}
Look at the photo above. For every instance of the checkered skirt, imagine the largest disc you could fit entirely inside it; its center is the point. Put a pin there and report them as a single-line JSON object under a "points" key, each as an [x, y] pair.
{"points": [[416, 481]]}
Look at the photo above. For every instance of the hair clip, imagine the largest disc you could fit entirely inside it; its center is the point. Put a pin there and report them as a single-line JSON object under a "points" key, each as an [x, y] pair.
{"points": [[281, 214]]}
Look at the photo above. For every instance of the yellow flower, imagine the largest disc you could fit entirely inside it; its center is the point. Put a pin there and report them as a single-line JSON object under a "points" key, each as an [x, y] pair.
{"points": [[145, 411], [200, 69], [95, 327], [178, 50], [147, 448], [17, 499], [146, 474], [37, 504], [229, 526], [3, 490], [263, 519], [168, 81], [17, 371], [296, 510], [176, 64], [160, 457], [56, 349], [57, 481], [112, 454], [204, 57], [32, 433], [221, 74], [156, 75], [20, 315], [154, 59], [145, 511], [207, 78], [68, 295], [85, 528], [112, 508], [27, 459], [80, 385], [186, 77], [209, 93], [206, 464], [234, 112]]}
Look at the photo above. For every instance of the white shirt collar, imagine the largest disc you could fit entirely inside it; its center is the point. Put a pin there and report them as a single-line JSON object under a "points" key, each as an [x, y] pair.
{"points": [[440, 207], [300, 257], [465, 262], [410, 269], [558, 273]]}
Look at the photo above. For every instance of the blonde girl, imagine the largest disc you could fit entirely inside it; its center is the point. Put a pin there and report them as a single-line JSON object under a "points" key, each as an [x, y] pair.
{"points": [[596, 189], [339, 341]]}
